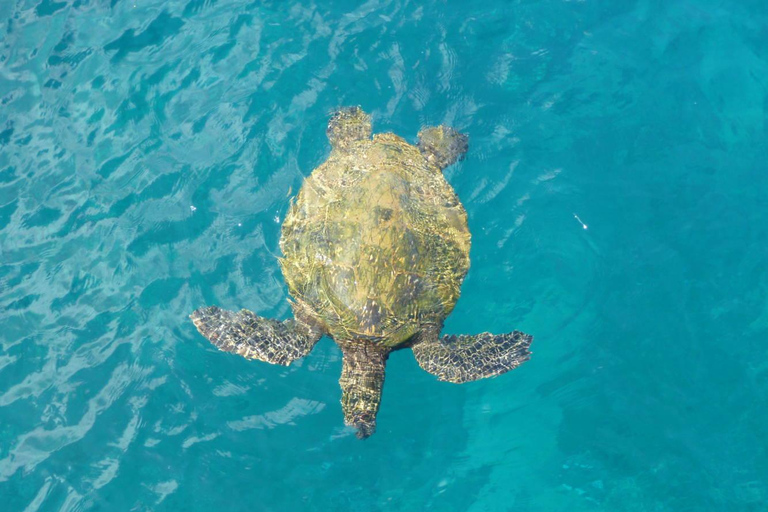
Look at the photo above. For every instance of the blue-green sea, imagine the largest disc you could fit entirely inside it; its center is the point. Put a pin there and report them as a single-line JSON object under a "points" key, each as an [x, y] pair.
{"points": [[617, 192]]}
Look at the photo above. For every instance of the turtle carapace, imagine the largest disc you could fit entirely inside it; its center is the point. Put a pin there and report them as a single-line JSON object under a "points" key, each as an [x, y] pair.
{"points": [[375, 247]]}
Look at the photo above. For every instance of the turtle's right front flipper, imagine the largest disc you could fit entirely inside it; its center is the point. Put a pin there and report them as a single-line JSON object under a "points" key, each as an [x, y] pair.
{"points": [[255, 337]]}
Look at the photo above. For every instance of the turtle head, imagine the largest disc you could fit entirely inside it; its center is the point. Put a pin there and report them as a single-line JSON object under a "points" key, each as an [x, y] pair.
{"points": [[442, 145], [348, 125]]}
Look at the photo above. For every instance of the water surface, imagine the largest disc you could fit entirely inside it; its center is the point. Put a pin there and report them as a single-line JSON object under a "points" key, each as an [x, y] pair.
{"points": [[615, 186]]}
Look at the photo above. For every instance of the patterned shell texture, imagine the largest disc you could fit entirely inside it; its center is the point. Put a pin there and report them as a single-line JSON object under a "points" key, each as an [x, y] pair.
{"points": [[376, 243]]}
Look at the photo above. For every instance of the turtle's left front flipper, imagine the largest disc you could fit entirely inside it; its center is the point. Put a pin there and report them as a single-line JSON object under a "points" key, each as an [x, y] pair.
{"points": [[255, 337], [465, 358]]}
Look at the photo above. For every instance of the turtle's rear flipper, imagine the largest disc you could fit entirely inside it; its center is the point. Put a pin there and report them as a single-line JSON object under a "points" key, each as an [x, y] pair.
{"points": [[348, 125], [442, 145], [254, 337], [465, 358]]}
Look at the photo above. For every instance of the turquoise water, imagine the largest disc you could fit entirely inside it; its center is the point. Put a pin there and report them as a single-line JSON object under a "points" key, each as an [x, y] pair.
{"points": [[148, 151]]}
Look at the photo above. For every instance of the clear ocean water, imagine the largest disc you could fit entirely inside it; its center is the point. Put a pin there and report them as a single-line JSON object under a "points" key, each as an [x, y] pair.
{"points": [[616, 188]]}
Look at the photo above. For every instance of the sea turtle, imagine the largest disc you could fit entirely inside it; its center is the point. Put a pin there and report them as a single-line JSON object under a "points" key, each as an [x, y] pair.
{"points": [[375, 247]]}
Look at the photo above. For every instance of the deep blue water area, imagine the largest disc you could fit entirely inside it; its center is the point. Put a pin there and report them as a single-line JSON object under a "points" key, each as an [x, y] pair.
{"points": [[616, 188]]}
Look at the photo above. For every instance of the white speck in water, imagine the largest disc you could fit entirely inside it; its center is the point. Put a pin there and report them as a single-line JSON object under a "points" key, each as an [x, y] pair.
{"points": [[277, 219], [239, 224], [192, 207], [584, 226]]}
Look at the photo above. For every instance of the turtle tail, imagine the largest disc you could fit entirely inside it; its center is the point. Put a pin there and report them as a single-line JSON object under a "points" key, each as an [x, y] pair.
{"points": [[362, 378]]}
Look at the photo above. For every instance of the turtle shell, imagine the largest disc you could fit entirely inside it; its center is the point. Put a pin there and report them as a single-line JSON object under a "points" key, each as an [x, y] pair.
{"points": [[376, 243]]}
